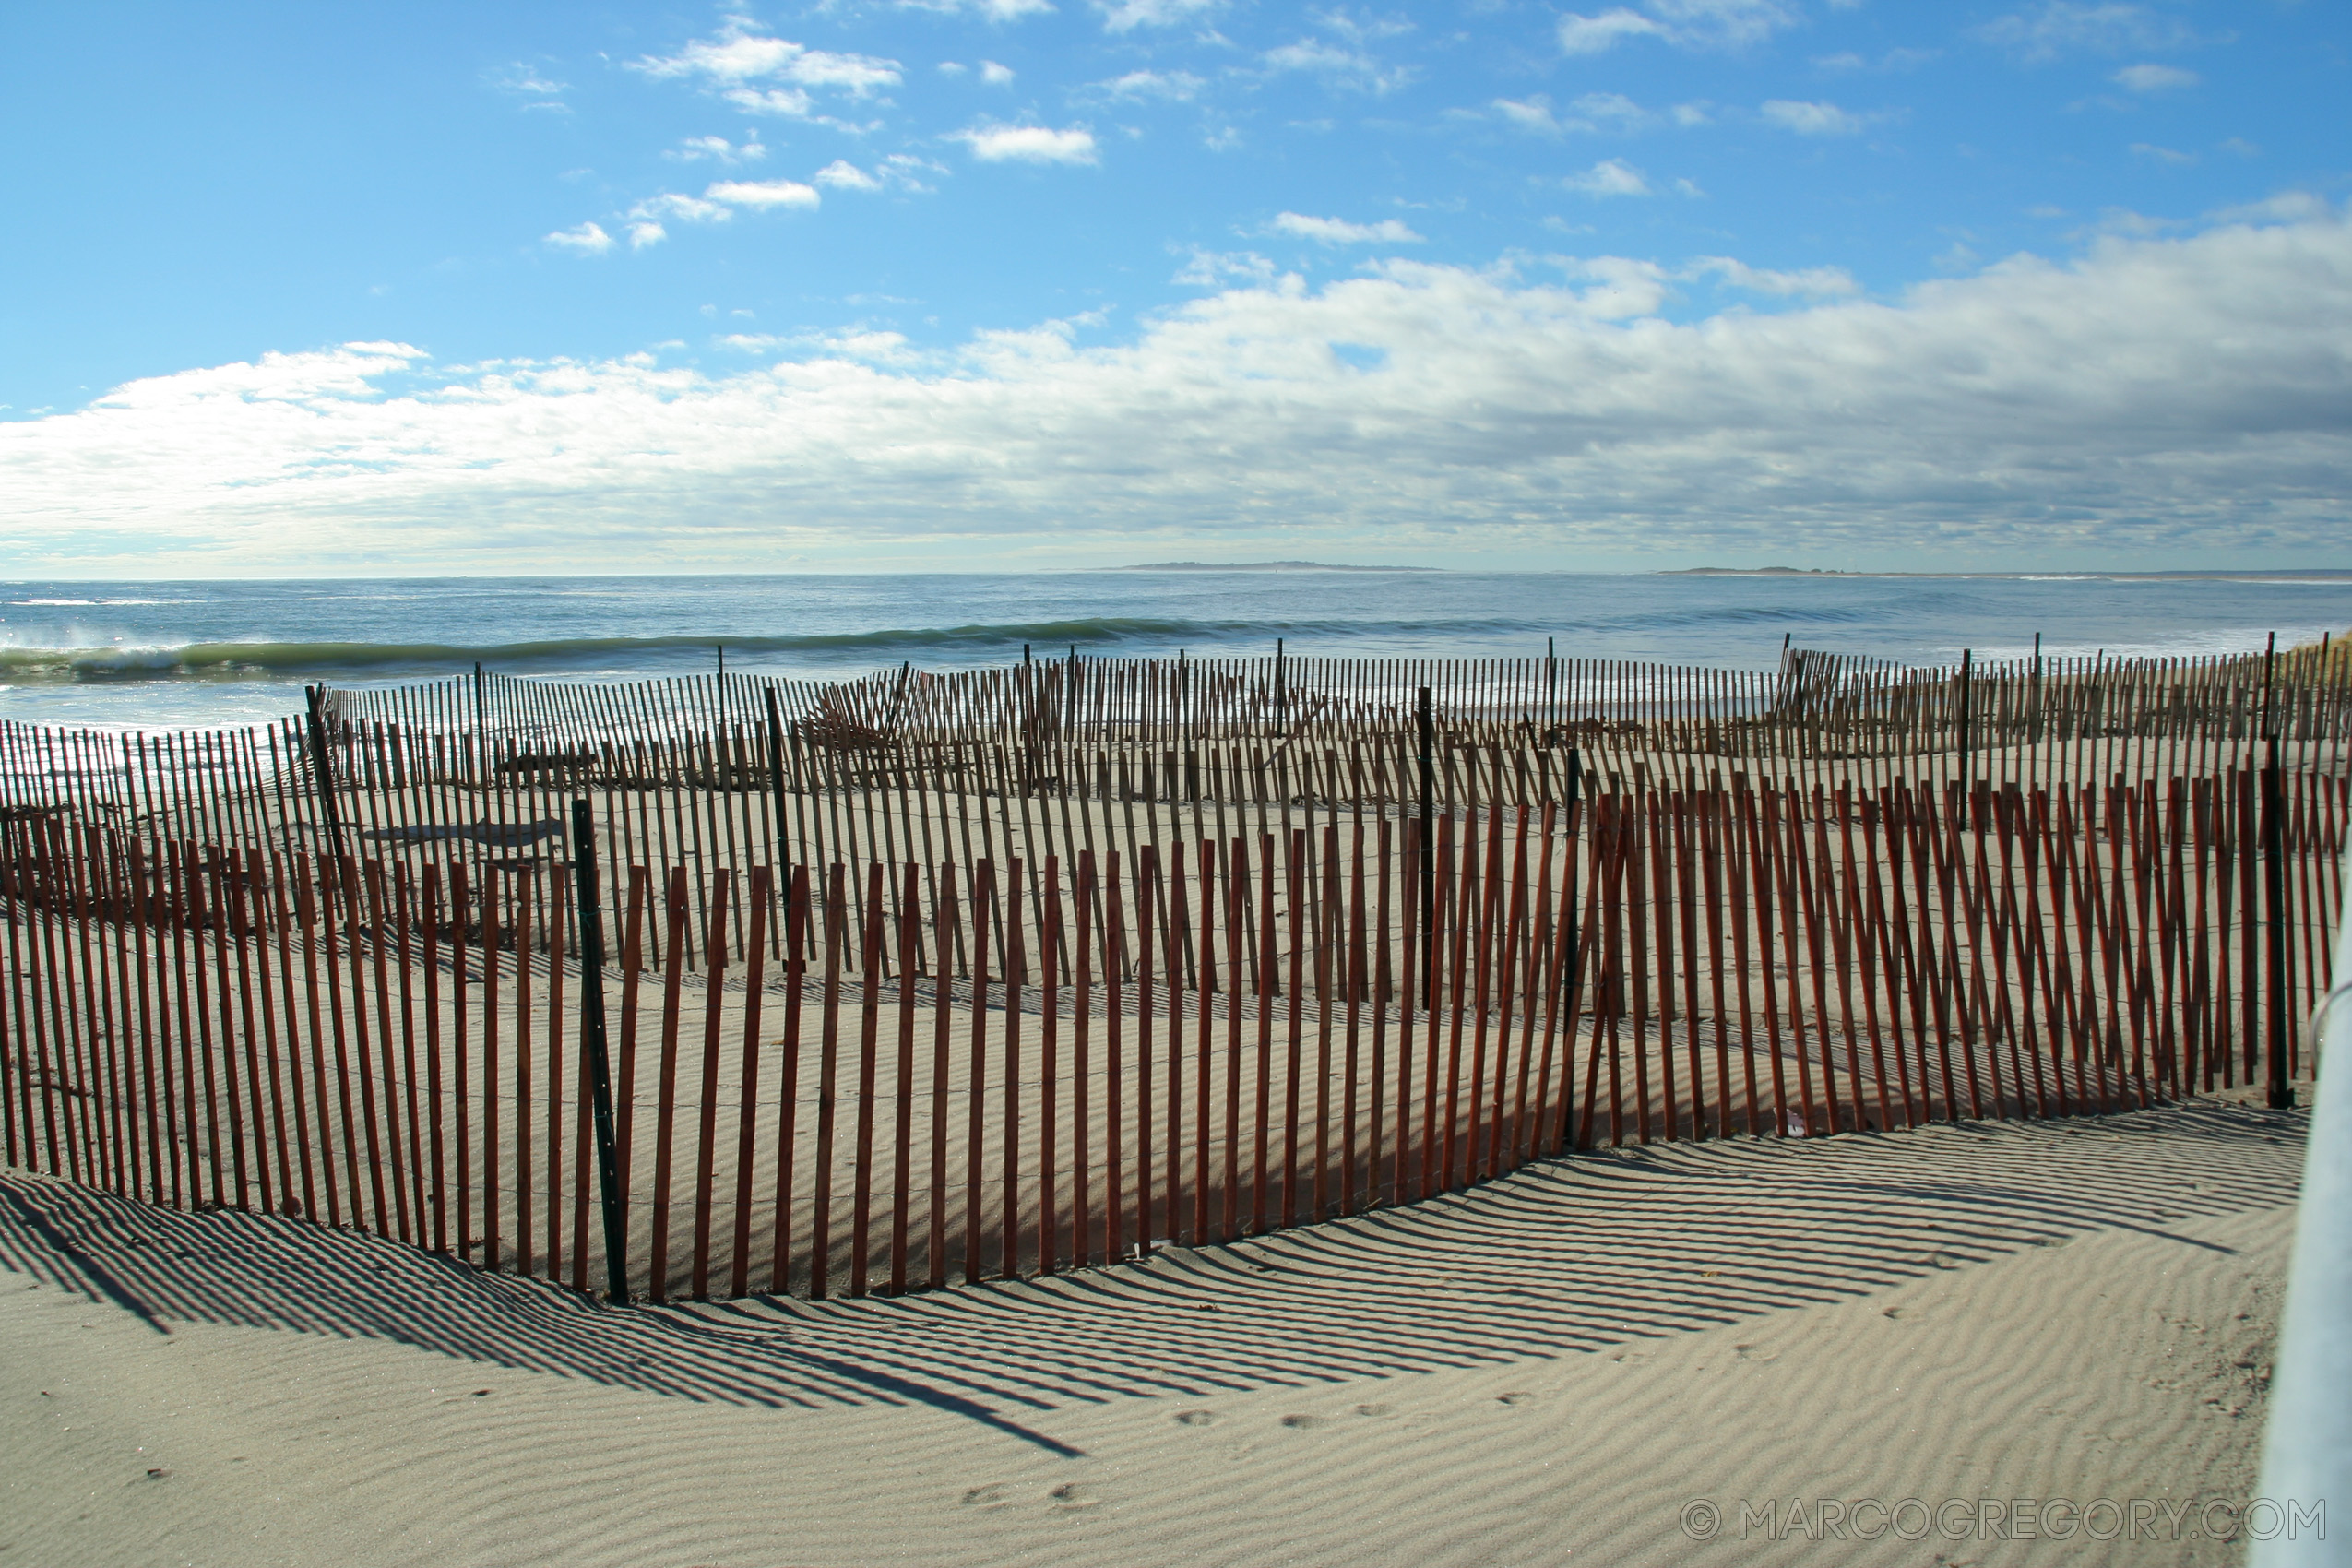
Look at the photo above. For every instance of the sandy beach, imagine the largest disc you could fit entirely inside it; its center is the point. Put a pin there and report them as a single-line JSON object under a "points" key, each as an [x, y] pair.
{"points": [[1547, 1369]]}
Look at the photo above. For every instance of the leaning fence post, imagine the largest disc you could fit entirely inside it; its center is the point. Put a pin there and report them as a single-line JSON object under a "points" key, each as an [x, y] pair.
{"points": [[323, 767], [616, 1234]]}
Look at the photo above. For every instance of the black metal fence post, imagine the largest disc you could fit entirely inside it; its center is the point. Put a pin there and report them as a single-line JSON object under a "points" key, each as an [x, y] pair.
{"points": [[776, 787], [1429, 841], [608, 1175], [1967, 784]]}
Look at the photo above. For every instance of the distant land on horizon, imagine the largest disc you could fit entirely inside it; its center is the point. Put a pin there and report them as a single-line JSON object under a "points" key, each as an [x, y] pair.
{"points": [[1263, 566], [2316, 572]]}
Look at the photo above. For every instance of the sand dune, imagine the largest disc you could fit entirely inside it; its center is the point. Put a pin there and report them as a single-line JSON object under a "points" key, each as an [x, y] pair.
{"points": [[1546, 1369]]}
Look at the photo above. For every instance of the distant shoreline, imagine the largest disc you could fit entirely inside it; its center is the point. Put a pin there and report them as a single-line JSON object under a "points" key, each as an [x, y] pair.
{"points": [[1261, 567], [2311, 574]]}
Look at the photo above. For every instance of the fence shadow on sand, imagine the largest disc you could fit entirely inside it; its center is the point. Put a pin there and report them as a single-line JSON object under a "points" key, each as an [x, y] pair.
{"points": [[1563, 1258]]}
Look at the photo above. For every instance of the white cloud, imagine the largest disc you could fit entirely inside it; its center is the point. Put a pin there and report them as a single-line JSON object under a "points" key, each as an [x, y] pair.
{"points": [[642, 234], [1029, 143], [900, 171], [1208, 269], [1592, 112], [1823, 119], [1612, 108], [1337, 65], [1533, 114], [2166, 155], [1813, 282], [1610, 177], [1690, 24], [2177, 398], [694, 150], [786, 103], [589, 239], [2106, 26], [2153, 79], [995, 75], [763, 194], [1179, 86], [1339, 231], [1590, 35], [536, 90], [1125, 15], [739, 56], [844, 175], [988, 10], [690, 210], [741, 63]]}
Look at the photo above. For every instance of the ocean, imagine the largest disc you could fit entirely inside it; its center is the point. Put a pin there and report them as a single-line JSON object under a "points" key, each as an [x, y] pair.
{"points": [[164, 654]]}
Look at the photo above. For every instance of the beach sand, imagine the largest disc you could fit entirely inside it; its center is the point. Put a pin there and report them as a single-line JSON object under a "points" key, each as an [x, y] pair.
{"points": [[1545, 1369]]}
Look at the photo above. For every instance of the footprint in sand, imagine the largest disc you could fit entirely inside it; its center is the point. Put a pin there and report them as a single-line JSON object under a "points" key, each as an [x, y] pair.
{"points": [[986, 1497], [1371, 1409], [1195, 1418], [1756, 1353], [1304, 1423], [1069, 1498], [1518, 1397]]}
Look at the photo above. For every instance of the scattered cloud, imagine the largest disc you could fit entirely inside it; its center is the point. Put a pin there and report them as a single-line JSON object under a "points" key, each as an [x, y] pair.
{"points": [[2060, 26], [1689, 24], [2163, 155], [1339, 231], [1822, 119], [988, 10], [1125, 15], [1893, 60], [686, 208], [537, 91], [2286, 206], [694, 150], [1813, 282], [995, 75], [1610, 177], [589, 239], [737, 61], [2153, 79], [897, 172], [643, 233], [1336, 64], [1581, 34], [1029, 143], [1533, 114], [1210, 269], [1178, 86], [880, 348], [844, 175], [763, 194], [2181, 395], [1593, 111]]}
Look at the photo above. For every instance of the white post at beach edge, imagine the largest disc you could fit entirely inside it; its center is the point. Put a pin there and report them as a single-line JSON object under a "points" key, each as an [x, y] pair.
{"points": [[2306, 1446]]}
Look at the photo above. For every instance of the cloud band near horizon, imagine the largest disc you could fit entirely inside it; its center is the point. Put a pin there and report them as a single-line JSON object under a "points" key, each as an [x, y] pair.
{"points": [[2170, 401]]}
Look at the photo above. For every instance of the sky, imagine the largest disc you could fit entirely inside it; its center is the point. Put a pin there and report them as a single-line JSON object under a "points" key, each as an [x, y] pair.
{"points": [[940, 284]]}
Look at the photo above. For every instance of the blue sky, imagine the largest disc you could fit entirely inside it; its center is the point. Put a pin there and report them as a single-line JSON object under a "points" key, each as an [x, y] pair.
{"points": [[977, 281]]}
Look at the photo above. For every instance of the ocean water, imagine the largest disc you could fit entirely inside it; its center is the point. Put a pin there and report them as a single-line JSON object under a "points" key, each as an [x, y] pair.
{"points": [[167, 655]]}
